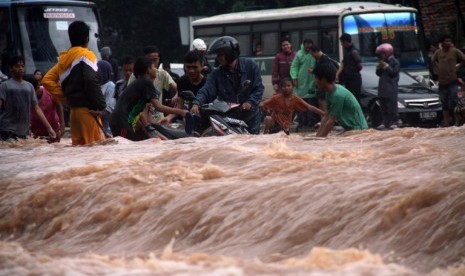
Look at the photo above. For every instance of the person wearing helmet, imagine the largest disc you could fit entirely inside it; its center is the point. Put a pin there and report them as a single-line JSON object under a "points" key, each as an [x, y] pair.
{"points": [[388, 72], [226, 82], [200, 46]]}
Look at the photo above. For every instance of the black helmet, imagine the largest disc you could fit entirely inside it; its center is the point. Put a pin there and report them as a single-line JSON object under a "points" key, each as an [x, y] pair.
{"points": [[227, 45]]}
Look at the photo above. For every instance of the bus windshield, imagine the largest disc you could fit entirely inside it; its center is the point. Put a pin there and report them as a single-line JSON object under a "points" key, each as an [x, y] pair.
{"points": [[368, 30], [44, 32]]}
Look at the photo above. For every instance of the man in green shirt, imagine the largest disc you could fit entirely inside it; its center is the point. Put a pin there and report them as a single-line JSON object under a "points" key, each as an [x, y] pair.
{"points": [[342, 106]]}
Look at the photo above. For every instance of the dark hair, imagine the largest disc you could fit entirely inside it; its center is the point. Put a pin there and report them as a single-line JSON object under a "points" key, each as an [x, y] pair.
{"points": [[193, 56], [325, 71], [37, 70], [33, 81], [283, 80], [141, 66], [127, 60], [444, 37], [345, 37], [315, 49], [151, 49], [12, 61], [285, 38], [78, 32], [308, 40]]}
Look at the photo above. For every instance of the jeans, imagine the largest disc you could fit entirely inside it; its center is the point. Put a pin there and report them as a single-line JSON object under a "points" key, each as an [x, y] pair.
{"points": [[448, 96]]}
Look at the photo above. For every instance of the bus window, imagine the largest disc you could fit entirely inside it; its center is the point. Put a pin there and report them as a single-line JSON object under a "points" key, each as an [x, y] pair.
{"points": [[397, 28], [264, 27], [257, 49], [328, 44], [44, 32], [294, 37], [237, 29], [244, 44], [36, 38], [271, 45], [299, 24], [310, 34], [208, 39], [209, 31], [327, 22]]}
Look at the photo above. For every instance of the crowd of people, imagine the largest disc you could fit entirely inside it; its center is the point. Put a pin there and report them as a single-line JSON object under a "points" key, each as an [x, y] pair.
{"points": [[102, 104]]}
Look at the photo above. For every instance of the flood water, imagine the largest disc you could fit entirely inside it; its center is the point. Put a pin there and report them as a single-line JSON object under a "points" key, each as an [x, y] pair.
{"points": [[360, 203]]}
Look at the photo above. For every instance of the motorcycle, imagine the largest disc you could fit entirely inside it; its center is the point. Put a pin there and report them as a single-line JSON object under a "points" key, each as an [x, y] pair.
{"points": [[218, 114], [170, 132], [175, 130]]}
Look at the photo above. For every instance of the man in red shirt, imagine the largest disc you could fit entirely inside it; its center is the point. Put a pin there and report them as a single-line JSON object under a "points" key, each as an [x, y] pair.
{"points": [[282, 63]]}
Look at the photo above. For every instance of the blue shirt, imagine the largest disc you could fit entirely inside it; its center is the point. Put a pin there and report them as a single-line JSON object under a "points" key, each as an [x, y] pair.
{"points": [[223, 84]]}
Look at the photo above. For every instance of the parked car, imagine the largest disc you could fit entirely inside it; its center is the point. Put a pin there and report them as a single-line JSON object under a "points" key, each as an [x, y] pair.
{"points": [[419, 106]]}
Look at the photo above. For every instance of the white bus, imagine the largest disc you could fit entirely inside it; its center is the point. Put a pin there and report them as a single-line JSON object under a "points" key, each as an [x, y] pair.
{"points": [[369, 24]]}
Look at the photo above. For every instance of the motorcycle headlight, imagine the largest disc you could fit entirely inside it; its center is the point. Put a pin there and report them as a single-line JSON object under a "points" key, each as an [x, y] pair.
{"points": [[400, 105]]}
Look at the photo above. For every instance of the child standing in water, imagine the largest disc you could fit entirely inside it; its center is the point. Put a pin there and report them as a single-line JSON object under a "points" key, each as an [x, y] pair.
{"points": [[388, 72], [282, 107]]}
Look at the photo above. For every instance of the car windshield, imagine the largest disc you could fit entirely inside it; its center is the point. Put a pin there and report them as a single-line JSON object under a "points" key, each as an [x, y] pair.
{"points": [[370, 79], [368, 30], [44, 32]]}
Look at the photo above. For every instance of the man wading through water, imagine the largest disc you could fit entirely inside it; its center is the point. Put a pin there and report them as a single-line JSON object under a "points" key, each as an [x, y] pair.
{"points": [[74, 81]]}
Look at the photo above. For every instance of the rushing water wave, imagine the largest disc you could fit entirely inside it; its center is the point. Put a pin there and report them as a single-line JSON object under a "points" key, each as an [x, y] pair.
{"points": [[361, 203]]}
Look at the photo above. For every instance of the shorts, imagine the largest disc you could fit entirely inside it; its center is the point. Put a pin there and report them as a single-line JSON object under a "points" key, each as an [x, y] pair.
{"points": [[448, 96]]}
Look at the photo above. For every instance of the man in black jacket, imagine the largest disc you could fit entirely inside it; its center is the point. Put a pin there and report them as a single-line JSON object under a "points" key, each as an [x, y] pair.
{"points": [[348, 73]]}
